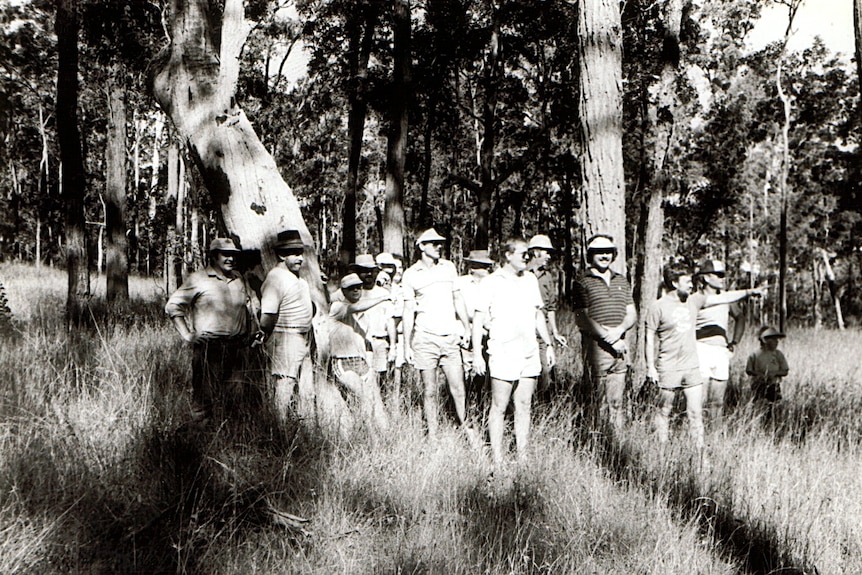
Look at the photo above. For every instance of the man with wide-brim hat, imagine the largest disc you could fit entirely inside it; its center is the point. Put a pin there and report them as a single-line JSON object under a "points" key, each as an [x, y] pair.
{"points": [[605, 312], [541, 251], [714, 342], [286, 314], [212, 310], [433, 307]]}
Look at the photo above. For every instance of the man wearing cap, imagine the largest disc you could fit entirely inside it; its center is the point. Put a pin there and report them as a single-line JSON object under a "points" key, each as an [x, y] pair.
{"points": [[604, 312], [670, 322], [541, 249], [432, 307], [478, 263], [212, 310], [286, 314], [510, 305], [348, 345], [714, 348], [376, 321]]}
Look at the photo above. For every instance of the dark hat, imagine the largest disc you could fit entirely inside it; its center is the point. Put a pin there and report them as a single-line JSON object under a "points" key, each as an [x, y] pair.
{"points": [[479, 257], [223, 245], [769, 331], [712, 267], [363, 261], [289, 239]]}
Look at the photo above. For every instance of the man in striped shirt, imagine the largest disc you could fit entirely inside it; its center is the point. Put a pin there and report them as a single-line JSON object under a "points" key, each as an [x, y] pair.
{"points": [[605, 311]]}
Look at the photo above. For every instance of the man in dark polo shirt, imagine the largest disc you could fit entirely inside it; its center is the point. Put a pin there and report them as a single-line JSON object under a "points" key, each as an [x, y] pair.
{"points": [[605, 311]]}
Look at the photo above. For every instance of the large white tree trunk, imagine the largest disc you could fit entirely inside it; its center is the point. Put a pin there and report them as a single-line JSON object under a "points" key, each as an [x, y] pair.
{"points": [[601, 119], [196, 86]]}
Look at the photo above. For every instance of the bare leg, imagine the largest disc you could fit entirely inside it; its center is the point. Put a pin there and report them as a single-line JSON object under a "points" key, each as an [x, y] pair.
{"points": [[714, 399], [662, 414], [429, 400], [523, 397], [455, 379], [501, 391], [283, 396], [615, 386], [694, 412]]}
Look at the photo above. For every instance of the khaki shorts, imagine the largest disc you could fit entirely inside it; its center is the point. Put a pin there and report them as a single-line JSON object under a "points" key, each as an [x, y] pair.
{"points": [[286, 350], [513, 360], [672, 380], [430, 350], [601, 359], [714, 361]]}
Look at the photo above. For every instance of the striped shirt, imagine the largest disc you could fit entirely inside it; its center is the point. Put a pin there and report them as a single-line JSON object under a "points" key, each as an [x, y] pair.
{"points": [[605, 302]]}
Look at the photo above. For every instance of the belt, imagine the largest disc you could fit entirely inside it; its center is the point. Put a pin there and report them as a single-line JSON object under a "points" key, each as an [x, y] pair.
{"points": [[380, 336]]}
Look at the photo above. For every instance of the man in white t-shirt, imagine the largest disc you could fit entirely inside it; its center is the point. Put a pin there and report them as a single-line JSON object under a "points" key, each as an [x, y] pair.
{"points": [[510, 306], [433, 307]]}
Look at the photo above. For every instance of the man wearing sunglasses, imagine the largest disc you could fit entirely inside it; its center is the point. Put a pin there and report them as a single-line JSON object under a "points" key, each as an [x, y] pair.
{"points": [[714, 348], [433, 305]]}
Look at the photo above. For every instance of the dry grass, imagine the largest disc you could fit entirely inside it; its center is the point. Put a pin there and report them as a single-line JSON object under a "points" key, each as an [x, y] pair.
{"points": [[100, 472]]}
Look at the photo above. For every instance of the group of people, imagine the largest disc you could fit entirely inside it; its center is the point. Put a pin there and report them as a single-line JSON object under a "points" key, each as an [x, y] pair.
{"points": [[493, 326]]}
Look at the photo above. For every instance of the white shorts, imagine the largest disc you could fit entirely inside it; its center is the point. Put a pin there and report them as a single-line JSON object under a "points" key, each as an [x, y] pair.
{"points": [[513, 360], [714, 361]]}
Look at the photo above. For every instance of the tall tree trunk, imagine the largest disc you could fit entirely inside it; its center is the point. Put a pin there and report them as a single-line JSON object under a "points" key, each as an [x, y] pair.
{"points": [[489, 133], [396, 150], [857, 28], [361, 34], [196, 86], [174, 248], [661, 121], [72, 160], [116, 257], [600, 115]]}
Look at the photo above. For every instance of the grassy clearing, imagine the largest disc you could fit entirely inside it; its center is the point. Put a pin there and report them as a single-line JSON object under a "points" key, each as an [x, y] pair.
{"points": [[100, 472]]}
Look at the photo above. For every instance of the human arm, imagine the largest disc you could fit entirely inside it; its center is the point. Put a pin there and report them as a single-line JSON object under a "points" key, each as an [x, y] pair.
{"points": [[542, 328], [390, 331], [407, 319], [739, 325], [478, 326], [461, 312], [649, 354], [783, 368], [732, 296], [183, 328], [555, 332], [616, 333]]}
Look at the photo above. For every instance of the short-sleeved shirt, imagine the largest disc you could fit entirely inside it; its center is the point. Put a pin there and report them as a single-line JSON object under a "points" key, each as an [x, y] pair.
{"points": [[346, 336], [549, 286], [432, 288], [374, 319], [674, 323], [288, 296], [215, 305], [712, 324], [510, 303], [765, 364], [468, 285], [605, 302]]}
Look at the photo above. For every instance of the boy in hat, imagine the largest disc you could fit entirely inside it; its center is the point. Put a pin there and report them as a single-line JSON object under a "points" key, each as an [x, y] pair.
{"points": [[348, 344], [604, 312], [432, 308], [286, 314], [212, 310], [376, 321], [767, 366], [714, 346]]}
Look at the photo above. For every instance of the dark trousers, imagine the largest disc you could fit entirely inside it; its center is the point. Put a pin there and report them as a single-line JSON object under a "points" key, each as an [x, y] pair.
{"points": [[214, 363]]}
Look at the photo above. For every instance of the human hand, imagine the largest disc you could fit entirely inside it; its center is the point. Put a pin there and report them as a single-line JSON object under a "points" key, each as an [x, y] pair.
{"points": [[613, 335], [561, 339], [652, 374], [479, 366], [466, 340], [392, 355], [620, 348], [258, 339], [408, 353], [551, 356]]}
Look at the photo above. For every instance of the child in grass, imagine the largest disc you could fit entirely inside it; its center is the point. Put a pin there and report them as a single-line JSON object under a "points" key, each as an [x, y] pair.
{"points": [[767, 366]]}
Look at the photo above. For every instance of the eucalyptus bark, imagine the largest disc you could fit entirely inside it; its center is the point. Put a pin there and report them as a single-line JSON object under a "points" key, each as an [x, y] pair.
{"points": [[195, 84], [116, 252], [396, 152], [73, 185], [487, 185], [600, 121]]}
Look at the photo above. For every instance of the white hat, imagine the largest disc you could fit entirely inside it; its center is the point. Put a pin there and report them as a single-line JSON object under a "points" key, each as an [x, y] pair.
{"points": [[540, 241], [429, 235], [385, 259], [364, 261], [350, 280], [601, 242]]}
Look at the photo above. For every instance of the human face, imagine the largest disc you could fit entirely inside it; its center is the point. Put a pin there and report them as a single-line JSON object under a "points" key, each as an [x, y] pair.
{"points": [[384, 280], [224, 262], [352, 293], [601, 259], [519, 257], [714, 280], [368, 276], [539, 258], [293, 261], [769, 343], [683, 286], [432, 249], [480, 271]]}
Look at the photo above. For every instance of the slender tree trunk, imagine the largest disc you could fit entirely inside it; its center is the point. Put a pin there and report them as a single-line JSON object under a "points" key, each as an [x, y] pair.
{"points": [[857, 28], [116, 260], [600, 115], [72, 160], [486, 149], [396, 152], [174, 247], [196, 88], [361, 34]]}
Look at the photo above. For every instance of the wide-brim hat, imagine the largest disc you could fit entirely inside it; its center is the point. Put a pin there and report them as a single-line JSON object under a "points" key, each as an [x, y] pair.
{"points": [[429, 235], [350, 280], [712, 267], [363, 261], [540, 241], [385, 259], [769, 331], [479, 257], [223, 245], [289, 239]]}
